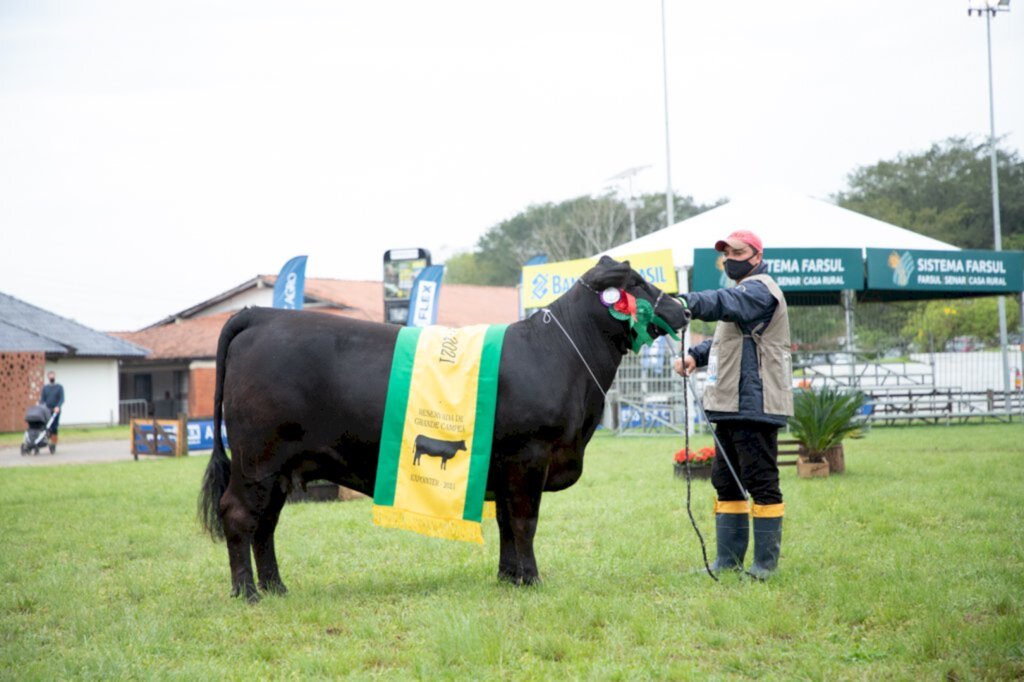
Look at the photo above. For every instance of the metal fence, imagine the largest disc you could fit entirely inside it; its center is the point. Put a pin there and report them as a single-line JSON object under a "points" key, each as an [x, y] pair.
{"points": [[132, 409], [880, 349]]}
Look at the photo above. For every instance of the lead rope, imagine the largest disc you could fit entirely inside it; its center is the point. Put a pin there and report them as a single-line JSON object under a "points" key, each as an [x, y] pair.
{"points": [[689, 511], [548, 316]]}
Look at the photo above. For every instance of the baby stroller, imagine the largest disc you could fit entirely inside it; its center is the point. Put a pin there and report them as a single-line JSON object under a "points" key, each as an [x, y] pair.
{"points": [[39, 419]]}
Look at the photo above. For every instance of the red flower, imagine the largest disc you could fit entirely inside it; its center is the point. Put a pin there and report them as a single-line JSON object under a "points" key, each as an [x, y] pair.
{"points": [[702, 456], [626, 304]]}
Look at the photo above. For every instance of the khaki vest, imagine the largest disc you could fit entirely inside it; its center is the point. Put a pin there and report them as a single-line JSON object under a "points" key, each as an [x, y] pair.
{"points": [[774, 360]]}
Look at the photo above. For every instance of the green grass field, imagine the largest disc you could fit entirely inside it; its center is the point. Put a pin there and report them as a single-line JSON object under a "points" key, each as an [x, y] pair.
{"points": [[909, 566]]}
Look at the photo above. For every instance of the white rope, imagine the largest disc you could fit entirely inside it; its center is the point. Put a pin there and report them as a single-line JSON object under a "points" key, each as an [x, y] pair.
{"points": [[548, 316]]}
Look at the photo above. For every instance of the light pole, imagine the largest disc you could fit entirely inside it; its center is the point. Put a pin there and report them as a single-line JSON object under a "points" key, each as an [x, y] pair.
{"points": [[632, 203], [989, 9]]}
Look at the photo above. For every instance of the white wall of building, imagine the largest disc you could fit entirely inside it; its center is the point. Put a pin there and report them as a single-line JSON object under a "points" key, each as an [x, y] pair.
{"points": [[90, 390], [262, 296]]}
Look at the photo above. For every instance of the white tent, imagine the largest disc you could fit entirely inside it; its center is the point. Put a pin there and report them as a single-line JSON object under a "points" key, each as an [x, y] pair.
{"points": [[782, 220]]}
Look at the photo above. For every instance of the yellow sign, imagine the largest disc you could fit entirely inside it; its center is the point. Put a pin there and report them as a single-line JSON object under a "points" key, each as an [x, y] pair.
{"points": [[544, 283]]}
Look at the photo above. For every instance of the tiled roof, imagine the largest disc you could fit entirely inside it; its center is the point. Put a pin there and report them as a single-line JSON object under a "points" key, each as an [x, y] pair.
{"points": [[460, 305], [193, 339], [15, 339], [55, 334]]}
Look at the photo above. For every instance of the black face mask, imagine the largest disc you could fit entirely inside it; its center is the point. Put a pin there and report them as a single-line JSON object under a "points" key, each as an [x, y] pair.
{"points": [[738, 269], [53, 381]]}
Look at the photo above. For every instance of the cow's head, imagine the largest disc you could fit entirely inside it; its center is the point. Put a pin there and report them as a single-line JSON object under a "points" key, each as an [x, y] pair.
{"points": [[646, 309]]}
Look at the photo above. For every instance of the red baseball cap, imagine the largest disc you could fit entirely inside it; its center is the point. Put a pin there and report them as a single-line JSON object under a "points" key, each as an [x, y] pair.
{"points": [[738, 238]]}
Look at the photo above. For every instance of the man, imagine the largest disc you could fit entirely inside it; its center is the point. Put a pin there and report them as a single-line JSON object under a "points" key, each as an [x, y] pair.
{"points": [[748, 396], [53, 397]]}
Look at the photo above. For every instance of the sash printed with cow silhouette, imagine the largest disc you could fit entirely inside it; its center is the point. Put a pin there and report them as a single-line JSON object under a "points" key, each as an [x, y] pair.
{"points": [[435, 446]]}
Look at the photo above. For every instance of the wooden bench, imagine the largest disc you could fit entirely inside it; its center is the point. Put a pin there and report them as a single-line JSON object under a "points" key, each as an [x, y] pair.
{"points": [[789, 451]]}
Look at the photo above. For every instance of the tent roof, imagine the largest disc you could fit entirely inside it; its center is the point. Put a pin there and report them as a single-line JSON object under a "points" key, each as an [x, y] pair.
{"points": [[783, 220]]}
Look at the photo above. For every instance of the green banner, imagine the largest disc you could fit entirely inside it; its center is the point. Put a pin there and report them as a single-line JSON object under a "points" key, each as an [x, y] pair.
{"points": [[997, 272], [792, 269]]}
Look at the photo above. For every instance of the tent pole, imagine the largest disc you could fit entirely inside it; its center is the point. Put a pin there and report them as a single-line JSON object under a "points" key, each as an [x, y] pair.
{"points": [[848, 307]]}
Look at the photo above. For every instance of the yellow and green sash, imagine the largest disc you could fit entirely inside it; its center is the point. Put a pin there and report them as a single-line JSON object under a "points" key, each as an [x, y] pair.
{"points": [[435, 446]]}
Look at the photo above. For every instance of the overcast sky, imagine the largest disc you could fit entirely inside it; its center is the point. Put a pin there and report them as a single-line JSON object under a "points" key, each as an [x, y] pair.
{"points": [[154, 154]]}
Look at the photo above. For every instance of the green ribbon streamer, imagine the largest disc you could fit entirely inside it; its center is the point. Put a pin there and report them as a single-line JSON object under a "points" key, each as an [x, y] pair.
{"points": [[645, 315]]}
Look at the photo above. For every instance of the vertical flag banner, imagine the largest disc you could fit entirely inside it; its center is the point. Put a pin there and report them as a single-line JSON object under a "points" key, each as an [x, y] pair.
{"points": [[426, 291], [291, 284]]}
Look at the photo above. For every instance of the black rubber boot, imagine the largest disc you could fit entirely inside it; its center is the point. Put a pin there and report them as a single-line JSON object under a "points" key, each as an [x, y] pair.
{"points": [[732, 532], [767, 545]]}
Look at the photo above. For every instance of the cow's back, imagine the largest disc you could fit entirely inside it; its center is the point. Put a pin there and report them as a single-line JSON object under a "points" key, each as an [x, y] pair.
{"points": [[314, 380]]}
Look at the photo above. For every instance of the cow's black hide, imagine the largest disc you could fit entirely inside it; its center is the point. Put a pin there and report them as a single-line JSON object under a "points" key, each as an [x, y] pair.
{"points": [[303, 396]]}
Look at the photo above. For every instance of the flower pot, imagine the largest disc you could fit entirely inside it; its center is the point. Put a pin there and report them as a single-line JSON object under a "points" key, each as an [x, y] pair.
{"points": [[805, 468], [836, 460], [697, 471]]}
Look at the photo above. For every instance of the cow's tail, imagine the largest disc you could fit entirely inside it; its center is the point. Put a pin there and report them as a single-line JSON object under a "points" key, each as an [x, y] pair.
{"points": [[218, 471]]}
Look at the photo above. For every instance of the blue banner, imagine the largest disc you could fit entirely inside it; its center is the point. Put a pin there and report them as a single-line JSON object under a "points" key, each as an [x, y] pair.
{"points": [[291, 283], [426, 291], [200, 434], [147, 444]]}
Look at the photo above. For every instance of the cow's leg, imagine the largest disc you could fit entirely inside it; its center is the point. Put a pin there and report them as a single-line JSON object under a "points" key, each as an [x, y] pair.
{"points": [[522, 505], [263, 543], [239, 525], [508, 560]]}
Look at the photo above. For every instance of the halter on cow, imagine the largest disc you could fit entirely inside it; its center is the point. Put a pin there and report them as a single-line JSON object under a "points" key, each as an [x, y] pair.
{"points": [[303, 394]]}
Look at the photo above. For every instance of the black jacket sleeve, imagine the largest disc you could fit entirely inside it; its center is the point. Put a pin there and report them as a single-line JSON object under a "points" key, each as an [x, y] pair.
{"points": [[700, 352], [746, 303]]}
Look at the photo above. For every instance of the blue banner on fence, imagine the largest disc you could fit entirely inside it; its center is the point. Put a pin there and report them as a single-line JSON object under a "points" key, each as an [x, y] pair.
{"points": [[291, 284], [426, 291], [200, 434], [652, 416]]}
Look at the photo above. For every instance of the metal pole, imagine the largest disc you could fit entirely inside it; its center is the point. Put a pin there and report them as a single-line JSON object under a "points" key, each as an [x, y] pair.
{"points": [[848, 310], [1001, 301], [670, 210], [632, 211]]}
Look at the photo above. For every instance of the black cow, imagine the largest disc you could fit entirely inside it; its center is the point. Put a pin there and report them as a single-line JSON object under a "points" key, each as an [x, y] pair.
{"points": [[434, 447], [303, 395]]}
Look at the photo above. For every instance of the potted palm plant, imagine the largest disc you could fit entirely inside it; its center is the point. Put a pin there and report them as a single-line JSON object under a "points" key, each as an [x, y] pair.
{"points": [[821, 419]]}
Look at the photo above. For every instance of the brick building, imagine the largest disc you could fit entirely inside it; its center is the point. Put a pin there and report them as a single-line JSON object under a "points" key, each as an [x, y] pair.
{"points": [[34, 341]]}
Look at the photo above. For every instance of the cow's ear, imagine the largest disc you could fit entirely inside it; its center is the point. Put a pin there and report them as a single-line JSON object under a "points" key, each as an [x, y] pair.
{"points": [[609, 273]]}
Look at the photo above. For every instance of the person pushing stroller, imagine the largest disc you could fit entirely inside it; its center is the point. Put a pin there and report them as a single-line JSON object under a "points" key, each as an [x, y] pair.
{"points": [[52, 396]]}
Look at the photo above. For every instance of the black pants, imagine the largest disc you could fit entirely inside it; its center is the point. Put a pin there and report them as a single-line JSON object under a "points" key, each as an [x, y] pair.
{"points": [[753, 450]]}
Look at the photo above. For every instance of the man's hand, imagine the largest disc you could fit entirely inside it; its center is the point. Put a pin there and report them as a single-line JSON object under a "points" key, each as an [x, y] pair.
{"points": [[56, 410], [685, 365]]}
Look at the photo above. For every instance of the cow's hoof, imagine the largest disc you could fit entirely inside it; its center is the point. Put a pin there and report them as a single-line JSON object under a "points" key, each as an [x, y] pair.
{"points": [[509, 577], [274, 587], [518, 579], [251, 595]]}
